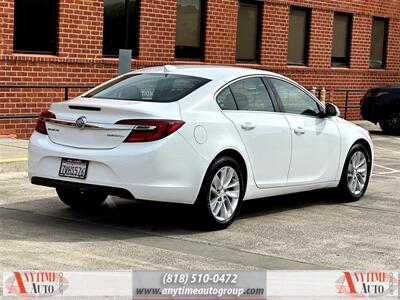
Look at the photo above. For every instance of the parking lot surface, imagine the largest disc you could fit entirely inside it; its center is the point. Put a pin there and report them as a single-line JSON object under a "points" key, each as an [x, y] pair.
{"points": [[300, 231]]}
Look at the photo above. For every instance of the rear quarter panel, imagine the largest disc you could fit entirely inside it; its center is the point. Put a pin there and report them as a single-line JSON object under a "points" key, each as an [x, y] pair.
{"points": [[203, 116]]}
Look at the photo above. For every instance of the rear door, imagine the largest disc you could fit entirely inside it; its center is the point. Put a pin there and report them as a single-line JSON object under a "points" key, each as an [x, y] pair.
{"points": [[315, 139], [264, 132]]}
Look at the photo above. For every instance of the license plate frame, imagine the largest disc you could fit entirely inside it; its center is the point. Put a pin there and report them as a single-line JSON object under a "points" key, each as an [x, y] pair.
{"points": [[80, 173]]}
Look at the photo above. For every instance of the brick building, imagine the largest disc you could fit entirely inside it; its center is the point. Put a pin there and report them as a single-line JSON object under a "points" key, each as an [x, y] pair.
{"points": [[333, 44]]}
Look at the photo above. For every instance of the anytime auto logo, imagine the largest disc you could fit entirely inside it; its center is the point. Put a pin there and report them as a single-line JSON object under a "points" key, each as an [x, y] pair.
{"points": [[35, 284], [368, 284]]}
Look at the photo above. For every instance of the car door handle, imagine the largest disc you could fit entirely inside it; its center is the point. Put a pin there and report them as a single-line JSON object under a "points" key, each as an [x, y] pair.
{"points": [[248, 126], [299, 131]]}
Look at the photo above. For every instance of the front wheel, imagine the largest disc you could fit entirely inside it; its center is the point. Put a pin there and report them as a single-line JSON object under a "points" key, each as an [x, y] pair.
{"points": [[221, 194], [80, 199], [355, 174]]}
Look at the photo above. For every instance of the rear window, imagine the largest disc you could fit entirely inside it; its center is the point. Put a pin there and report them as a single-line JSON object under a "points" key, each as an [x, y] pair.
{"points": [[149, 87]]}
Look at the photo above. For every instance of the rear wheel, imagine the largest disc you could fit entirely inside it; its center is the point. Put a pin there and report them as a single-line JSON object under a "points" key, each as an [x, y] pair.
{"points": [[391, 122], [80, 199], [221, 194], [355, 174]]}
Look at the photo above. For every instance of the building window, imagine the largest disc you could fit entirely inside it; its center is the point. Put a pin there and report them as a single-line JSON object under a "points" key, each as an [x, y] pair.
{"points": [[247, 38], [189, 29], [35, 26], [299, 28], [120, 26], [341, 40], [378, 43]]}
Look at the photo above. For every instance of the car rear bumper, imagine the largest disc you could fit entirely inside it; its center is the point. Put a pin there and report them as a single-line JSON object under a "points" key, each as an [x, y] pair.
{"points": [[82, 186], [168, 170]]}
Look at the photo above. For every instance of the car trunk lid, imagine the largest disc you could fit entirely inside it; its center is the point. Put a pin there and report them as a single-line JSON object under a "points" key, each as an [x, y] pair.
{"points": [[91, 123]]}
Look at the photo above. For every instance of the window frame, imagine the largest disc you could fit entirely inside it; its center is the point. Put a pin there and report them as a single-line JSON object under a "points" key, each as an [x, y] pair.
{"points": [[54, 49], [203, 17], [385, 43], [320, 106], [306, 51], [136, 23], [346, 62], [271, 94], [260, 6]]}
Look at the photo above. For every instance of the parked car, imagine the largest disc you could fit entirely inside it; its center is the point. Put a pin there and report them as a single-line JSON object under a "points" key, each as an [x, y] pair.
{"points": [[211, 136], [382, 105]]}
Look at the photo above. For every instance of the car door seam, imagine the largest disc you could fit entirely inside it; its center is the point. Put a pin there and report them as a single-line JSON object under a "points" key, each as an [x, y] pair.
{"points": [[291, 149]]}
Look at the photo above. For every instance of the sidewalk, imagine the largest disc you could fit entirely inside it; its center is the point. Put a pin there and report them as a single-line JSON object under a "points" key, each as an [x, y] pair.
{"points": [[14, 153], [367, 125]]}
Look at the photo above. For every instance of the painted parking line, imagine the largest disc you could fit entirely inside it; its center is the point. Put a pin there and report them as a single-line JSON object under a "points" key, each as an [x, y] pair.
{"points": [[14, 159], [386, 149], [385, 177], [389, 170]]}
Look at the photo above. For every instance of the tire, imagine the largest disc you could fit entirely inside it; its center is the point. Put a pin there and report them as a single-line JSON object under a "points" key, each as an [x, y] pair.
{"points": [[218, 206], [80, 199], [348, 189], [391, 122]]}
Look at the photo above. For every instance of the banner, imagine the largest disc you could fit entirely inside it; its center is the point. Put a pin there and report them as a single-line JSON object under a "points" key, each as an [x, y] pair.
{"points": [[253, 285], [199, 285]]}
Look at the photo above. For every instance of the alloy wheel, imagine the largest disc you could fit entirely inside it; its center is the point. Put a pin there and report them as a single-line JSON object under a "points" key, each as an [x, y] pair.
{"points": [[393, 120], [357, 172], [224, 193]]}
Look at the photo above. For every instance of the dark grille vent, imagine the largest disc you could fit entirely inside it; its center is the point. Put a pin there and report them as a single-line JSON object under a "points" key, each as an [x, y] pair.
{"points": [[85, 108]]}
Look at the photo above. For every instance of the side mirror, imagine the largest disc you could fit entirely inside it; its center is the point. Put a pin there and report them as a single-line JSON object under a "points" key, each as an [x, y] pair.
{"points": [[331, 110]]}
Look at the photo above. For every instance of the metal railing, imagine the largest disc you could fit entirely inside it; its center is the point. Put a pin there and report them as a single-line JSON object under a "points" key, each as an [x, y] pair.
{"points": [[346, 101], [330, 96], [66, 89]]}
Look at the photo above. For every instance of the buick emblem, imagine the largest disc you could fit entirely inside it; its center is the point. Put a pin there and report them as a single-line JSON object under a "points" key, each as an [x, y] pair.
{"points": [[80, 122]]}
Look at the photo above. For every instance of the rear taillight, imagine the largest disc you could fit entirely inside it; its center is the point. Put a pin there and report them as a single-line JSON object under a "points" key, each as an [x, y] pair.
{"points": [[150, 130], [41, 123]]}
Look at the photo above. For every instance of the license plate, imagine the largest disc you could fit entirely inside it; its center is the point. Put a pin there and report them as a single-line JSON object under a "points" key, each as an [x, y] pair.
{"points": [[73, 168]]}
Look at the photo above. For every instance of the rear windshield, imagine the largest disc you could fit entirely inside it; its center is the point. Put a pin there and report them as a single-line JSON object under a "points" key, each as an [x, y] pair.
{"points": [[149, 87]]}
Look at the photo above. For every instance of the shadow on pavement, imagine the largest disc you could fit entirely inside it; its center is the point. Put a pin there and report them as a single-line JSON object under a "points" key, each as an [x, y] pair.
{"points": [[127, 219], [378, 132]]}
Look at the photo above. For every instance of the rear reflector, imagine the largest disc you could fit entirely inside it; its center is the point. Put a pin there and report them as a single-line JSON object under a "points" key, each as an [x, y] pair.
{"points": [[41, 124], [150, 130]]}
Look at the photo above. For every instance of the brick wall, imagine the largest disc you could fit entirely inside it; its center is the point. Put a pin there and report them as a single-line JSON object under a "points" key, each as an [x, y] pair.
{"points": [[79, 59]]}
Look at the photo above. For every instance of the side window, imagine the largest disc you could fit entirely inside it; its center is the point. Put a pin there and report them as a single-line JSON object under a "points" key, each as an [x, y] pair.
{"points": [[294, 100], [225, 100], [251, 94]]}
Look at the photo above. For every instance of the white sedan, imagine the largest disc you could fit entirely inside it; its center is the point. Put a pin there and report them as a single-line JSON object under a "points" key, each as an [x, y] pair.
{"points": [[211, 136]]}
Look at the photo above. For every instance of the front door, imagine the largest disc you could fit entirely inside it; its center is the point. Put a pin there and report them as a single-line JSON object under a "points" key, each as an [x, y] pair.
{"points": [[315, 140]]}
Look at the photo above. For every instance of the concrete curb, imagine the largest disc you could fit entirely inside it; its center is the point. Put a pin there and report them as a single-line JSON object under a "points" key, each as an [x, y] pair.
{"points": [[14, 165]]}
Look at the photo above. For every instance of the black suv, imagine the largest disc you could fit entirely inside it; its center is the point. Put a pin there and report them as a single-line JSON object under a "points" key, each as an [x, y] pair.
{"points": [[382, 105]]}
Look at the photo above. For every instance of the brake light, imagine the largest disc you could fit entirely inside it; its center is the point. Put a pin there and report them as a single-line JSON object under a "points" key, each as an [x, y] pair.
{"points": [[150, 130], [41, 123]]}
